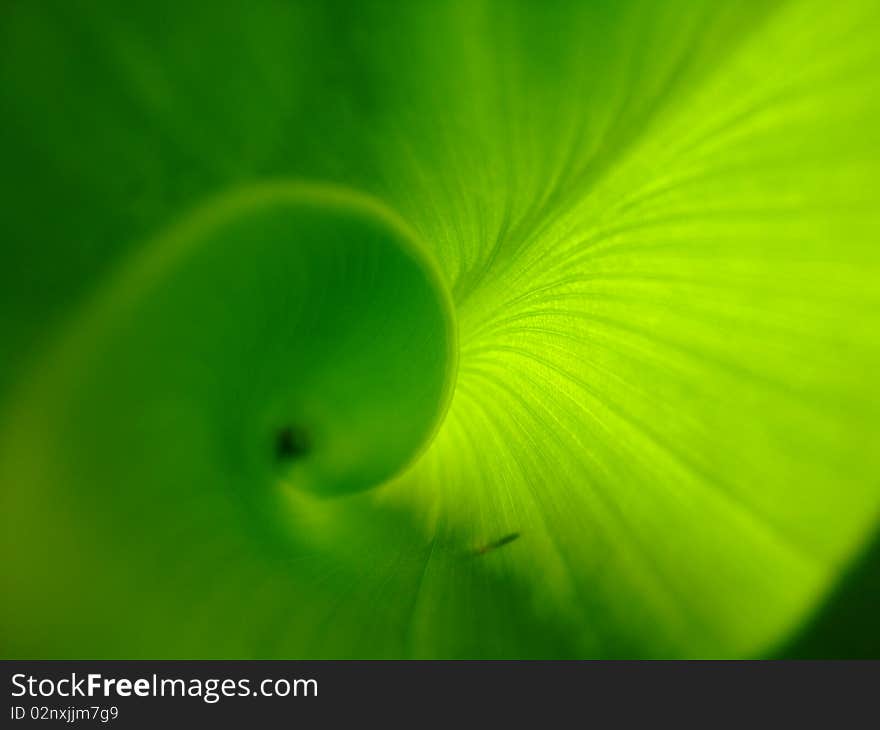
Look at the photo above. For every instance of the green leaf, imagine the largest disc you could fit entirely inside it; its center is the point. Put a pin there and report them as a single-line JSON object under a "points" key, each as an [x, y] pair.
{"points": [[435, 329]]}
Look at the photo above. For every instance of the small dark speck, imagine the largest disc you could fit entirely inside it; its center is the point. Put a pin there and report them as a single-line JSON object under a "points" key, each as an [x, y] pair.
{"points": [[495, 544], [291, 443]]}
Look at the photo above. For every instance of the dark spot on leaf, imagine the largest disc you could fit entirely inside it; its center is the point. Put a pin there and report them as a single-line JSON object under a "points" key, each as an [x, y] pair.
{"points": [[291, 443], [495, 544]]}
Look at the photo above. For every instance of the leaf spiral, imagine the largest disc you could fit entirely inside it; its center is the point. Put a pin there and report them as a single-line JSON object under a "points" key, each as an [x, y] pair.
{"points": [[571, 352]]}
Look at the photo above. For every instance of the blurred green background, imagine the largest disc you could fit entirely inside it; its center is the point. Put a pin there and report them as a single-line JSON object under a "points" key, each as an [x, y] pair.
{"points": [[439, 329]]}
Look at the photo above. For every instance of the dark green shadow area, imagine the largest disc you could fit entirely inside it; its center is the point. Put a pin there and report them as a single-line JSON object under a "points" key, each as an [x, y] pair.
{"points": [[846, 626]]}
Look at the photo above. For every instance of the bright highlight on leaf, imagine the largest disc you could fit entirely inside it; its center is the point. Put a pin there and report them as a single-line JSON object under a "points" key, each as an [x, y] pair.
{"points": [[436, 329]]}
